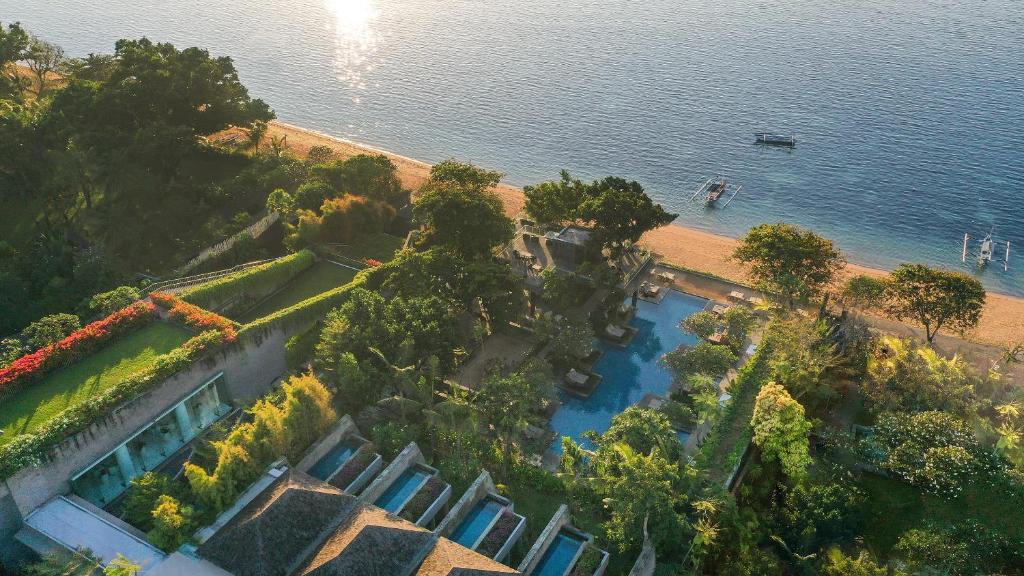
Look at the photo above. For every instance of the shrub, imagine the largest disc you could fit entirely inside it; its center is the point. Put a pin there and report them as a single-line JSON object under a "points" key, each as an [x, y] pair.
{"points": [[49, 330], [141, 498], [31, 449], [75, 346], [195, 317], [588, 562], [172, 524], [261, 279], [306, 311], [114, 300], [704, 358]]}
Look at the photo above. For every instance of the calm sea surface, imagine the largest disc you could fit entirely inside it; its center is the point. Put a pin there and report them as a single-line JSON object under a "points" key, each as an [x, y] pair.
{"points": [[909, 113]]}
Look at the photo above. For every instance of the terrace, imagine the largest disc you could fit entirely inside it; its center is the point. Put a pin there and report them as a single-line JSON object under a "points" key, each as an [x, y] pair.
{"points": [[484, 521], [563, 550], [27, 410], [342, 458], [409, 488], [319, 278]]}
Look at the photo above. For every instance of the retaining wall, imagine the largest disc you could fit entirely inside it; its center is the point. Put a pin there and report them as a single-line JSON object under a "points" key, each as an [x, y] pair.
{"points": [[250, 370]]}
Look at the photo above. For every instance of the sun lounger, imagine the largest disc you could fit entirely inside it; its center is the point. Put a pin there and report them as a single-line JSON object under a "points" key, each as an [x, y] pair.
{"points": [[667, 277], [717, 338], [615, 331], [719, 309], [755, 300], [577, 378], [737, 295]]}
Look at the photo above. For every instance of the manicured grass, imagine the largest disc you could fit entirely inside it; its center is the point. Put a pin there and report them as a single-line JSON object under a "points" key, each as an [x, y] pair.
{"points": [[40, 401], [895, 507], [321, 277], [379, 246]]}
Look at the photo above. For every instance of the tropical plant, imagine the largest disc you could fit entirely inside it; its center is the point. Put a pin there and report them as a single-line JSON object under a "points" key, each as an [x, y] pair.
{"points": [[109, 302], [935, 299], [781, 430], [794, 263], [50, 330], [172, 524], [704, 358]]}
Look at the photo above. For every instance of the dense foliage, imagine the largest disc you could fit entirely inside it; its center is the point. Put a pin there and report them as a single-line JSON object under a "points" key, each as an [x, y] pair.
{"points": [[789, 261]]}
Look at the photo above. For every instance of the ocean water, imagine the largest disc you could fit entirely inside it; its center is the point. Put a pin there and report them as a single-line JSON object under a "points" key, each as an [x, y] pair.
{"points": [[909, 113]]}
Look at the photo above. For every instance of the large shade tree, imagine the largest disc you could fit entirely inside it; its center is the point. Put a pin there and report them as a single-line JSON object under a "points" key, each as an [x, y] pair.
{"points": [[935, 299], [789, 261], [458, 209]]}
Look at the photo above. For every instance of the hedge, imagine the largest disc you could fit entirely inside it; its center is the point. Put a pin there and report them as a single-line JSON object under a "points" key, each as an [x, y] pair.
{"points": [[74, 346], [307, 311], [193, 316], [736, 417], [32, 449], [265, 278]]}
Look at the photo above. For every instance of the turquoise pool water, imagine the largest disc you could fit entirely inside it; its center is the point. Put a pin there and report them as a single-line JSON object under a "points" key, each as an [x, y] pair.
{"points": [[683, 435], [332, 461], [561, 552], [401, 489], [629, 373], [476, 522]]}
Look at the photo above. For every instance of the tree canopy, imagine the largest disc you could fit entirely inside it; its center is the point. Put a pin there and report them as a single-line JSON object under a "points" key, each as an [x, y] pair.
{"points": [[935, 299], [458, 209], [780, 430], [792, 262]]}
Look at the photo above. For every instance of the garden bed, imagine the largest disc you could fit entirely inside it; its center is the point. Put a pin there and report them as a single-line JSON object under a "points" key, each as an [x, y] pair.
{"points": [[354, 467], [424, 498], [499, 533], [30, 408]]}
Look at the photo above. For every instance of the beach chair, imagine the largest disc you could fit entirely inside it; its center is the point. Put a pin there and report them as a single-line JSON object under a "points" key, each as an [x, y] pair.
{"points": [[576, 378], [615, 331], [737, 295], [720, 309]]}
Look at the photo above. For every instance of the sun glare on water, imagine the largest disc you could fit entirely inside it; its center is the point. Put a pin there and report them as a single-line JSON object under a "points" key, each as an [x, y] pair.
{"points": [[353, 26]]}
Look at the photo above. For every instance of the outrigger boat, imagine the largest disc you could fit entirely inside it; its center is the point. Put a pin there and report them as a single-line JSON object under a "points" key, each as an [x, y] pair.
{"points": [[774, 139], [987, 251], [713, 189]]}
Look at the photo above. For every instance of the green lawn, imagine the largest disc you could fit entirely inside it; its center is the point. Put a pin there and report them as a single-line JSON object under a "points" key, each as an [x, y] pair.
{"points": [[379, 246], [40, 401], [895, 507], [319, 278]]}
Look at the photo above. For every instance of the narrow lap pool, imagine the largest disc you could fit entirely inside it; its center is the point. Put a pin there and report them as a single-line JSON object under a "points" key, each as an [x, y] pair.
{"points": [[629, 373], [401, 489], [332, 461], [559, 556], [476, 522]]}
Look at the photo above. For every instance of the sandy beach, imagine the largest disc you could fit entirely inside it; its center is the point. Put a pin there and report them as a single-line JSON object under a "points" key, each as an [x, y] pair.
{"points": [[1002, 322]]}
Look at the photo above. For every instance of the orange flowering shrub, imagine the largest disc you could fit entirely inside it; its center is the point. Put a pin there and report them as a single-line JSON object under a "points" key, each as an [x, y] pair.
{"points": [[74, 346], [195, 317]]}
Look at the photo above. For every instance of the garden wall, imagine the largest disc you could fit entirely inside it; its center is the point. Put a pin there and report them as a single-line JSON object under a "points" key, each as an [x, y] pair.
{"points": [[250, 369]]}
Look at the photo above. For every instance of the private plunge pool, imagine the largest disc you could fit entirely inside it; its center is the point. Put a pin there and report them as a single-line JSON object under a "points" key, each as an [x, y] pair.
{"points": [[403, 489], [629, 373], [477, 522], [329, 465], [560, 555]]}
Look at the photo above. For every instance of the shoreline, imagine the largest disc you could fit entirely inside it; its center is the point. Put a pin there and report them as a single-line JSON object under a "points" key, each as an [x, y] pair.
{"points": [[1002, 321]]}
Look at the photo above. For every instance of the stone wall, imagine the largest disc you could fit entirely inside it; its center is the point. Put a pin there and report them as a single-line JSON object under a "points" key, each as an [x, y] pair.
{"points": [[250, 370], [407, 457], [343, 429], [477, 490], [536, 552]]}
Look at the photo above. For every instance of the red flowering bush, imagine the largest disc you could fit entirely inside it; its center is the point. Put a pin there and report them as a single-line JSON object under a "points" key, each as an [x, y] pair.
{"points": [[373, 262], [195, 317], [74, 346]]}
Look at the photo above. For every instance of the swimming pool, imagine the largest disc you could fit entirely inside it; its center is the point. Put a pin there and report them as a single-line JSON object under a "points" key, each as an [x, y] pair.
{"points": [[629, 373], [331, 462], [402, 489], [559, 555], [476, 523]]}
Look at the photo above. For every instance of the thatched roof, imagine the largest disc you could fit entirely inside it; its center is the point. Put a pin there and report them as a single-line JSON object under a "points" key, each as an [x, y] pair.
{"points": [[302, 526], [371, 543], [275, 530], [450, 559]]}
